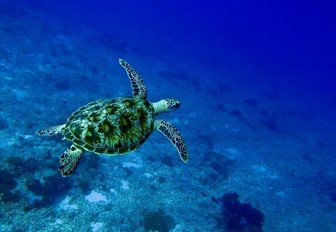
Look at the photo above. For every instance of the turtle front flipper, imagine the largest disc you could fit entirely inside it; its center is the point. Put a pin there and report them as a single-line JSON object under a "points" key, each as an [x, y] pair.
{"points": [[69, 160], [138, 85], [174, 136], [51, 130]]}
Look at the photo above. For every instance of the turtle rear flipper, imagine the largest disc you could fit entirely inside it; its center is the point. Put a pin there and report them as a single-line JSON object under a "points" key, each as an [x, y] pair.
{"points": [[51, 130], [69, 160], [174, 137]]}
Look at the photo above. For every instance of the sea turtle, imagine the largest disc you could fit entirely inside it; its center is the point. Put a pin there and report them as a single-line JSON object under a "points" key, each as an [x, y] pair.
{"points": [[116, 126]]}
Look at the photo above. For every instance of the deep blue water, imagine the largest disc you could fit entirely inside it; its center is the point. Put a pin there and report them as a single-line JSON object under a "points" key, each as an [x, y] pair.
{"points": [[256, 83]]}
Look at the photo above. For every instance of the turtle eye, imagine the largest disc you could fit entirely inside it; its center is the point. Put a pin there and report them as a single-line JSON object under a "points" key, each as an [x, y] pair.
{"points": [[176, 105]]}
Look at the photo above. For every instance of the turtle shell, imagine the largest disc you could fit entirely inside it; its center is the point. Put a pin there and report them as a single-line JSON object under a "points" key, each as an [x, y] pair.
{"points": [[113, 126]]}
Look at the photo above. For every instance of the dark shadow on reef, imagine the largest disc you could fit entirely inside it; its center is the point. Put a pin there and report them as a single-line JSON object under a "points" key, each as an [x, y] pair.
{"points": [[158, 221], [239, 217], [7, 186], [54, 188], [218, 162]]}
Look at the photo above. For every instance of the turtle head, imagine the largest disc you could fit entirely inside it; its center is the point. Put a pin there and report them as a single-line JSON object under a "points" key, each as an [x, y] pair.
{"points": [[172, 104], [166, 105]]}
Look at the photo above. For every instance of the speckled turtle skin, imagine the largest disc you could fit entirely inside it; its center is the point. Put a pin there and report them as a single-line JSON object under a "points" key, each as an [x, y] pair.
{"points": [[111, 127]]}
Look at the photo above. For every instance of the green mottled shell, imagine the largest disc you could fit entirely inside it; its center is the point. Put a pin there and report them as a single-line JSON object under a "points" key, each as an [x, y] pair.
{"points": [[114, 126]]}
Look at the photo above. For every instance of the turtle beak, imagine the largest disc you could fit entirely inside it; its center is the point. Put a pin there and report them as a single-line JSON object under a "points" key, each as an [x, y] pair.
{"points": [[177, 105]]}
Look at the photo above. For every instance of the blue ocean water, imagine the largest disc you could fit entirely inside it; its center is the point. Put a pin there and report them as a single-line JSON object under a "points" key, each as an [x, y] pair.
{"points": [[256, 86]]}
